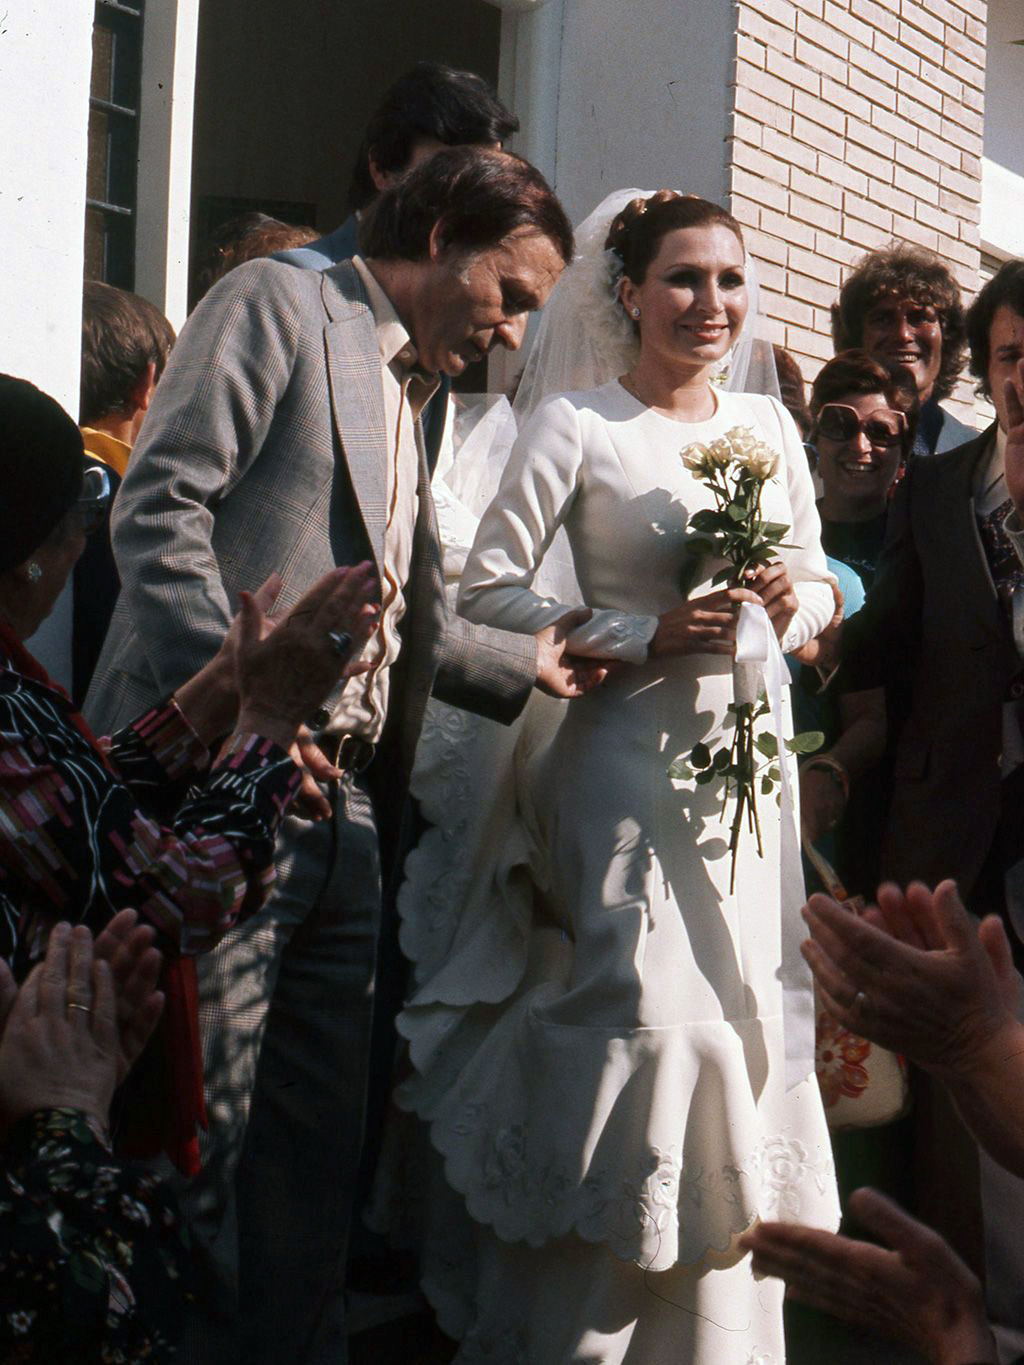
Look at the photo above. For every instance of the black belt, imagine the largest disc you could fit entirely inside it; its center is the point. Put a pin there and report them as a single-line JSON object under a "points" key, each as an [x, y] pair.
{"points": [[347, 752]]}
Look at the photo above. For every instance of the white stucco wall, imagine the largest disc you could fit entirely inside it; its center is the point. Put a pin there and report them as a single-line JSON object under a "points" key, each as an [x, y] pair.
{"points": [[167, 102], [45, 62], [644, 98], [1002, 193]]}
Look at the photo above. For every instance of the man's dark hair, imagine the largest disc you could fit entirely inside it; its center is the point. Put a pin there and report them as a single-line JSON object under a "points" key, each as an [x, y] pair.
{"points": [[1005, 286], [476, 198], [121, 334], [903, 271], [432, 103]]}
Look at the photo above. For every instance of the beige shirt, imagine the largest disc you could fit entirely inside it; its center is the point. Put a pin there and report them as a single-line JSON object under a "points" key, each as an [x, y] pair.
{"points": [[364, 703]]}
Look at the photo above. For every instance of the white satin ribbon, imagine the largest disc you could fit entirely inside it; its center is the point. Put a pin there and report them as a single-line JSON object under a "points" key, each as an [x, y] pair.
{"points": [[759, 661]]}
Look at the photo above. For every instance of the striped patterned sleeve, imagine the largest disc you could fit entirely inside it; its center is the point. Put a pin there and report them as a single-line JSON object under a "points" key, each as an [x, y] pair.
{"points": [[76, 844]]}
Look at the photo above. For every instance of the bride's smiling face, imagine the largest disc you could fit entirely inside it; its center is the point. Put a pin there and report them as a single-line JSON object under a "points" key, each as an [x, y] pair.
{"points": [[693, 298]]}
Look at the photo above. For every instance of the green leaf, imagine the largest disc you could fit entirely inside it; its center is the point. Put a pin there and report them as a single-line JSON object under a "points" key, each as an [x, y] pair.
{"points": [[806, 743], [767, 744], [774, 774], [680, 769], [721, 760], [707, 520], [708, 775], [774, 528], [737, 511], [723, 575], [766, 785], [700, 756]]}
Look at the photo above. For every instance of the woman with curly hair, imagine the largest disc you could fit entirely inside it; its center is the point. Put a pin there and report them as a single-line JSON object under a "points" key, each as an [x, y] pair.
{"points": [[902, 305]]}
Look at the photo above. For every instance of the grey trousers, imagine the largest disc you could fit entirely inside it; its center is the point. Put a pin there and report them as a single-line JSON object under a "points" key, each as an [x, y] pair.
{"points": [[285, 1012]]}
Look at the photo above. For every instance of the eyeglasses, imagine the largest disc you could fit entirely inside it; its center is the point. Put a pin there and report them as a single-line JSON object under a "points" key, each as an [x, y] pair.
{"points": [[94, 499], [839, 422]]}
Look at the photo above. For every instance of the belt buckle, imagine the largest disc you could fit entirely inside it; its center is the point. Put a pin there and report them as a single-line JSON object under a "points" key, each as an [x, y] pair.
{"points": [[354, 754]]}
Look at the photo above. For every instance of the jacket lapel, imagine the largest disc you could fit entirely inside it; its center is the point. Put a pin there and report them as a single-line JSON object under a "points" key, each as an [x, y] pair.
{"points": [[979, 588], [357, 397]]}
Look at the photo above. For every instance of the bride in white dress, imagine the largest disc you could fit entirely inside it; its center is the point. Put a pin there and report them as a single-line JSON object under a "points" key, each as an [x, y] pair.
{"points": [[602, 1054]]}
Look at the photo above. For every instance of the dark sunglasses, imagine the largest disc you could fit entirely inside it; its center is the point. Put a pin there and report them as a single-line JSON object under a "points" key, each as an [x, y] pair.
{"points": [[838, 422], [93, 501]]}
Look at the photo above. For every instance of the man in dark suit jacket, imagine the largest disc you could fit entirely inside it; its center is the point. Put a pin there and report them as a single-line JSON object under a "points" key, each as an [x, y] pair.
{"points": [[284, 436], [430, 107], [943, 631]]}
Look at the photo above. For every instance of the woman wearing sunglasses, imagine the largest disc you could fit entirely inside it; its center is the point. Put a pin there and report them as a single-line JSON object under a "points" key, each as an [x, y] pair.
{"points": [[88, 828], [862, 436]]}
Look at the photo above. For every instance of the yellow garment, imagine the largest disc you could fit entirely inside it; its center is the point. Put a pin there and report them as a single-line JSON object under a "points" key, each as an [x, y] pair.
{"points": [[102, 446]]}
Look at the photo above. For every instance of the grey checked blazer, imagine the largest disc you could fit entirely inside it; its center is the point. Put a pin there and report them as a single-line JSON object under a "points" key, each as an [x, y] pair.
{"points": [[265, 449]]}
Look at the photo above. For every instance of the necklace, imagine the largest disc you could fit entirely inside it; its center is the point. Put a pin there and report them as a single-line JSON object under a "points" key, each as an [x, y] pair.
{"points": [[630, 385]]}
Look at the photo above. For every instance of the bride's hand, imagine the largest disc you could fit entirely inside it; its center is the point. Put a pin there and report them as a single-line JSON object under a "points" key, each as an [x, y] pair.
{"points": [[705, 625], [777, 595]]}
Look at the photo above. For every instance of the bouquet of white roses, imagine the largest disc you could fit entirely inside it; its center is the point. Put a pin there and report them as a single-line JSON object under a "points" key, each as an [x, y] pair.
{"points": [[736, 467]]}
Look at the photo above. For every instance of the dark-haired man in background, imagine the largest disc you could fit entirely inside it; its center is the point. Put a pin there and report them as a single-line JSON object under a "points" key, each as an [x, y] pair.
{"points": [[285, 436], [125, 345], [431, 107]]}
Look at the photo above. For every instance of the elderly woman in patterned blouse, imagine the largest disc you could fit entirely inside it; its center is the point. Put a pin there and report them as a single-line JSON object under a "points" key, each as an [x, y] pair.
{"points": [[89, 827]]}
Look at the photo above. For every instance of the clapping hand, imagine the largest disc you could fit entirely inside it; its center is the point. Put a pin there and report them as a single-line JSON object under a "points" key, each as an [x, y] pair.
{"points": [[127, 946], [283, 675], [914, 974], [1014, 459], [913, 1287], [62, 1045]]}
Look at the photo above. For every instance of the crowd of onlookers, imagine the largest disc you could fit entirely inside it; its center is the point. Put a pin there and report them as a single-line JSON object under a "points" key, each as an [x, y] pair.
{"points": [[159, 842]]}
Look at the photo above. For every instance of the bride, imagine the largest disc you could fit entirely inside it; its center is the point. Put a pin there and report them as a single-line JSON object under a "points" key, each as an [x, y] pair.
{"points": [[615, 1057]]}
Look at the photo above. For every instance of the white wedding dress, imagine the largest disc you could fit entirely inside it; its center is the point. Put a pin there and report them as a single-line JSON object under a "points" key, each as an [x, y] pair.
{"points": [[596, 1029]]}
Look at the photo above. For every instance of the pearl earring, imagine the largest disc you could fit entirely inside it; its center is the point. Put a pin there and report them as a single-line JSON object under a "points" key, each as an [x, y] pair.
{"points": [[35, 573], [634, 313]]}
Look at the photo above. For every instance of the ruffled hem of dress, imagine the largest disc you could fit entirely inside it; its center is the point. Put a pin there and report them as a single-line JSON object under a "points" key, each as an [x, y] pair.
{"points": [[548, 1130]]}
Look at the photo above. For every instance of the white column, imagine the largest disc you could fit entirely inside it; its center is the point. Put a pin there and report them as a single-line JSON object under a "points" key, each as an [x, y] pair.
{"points": [[45, 65], [165, 155], [529, 75]]}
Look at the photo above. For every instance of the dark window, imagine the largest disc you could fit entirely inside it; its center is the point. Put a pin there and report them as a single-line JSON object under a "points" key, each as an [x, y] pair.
{"points": [[110, 192]]}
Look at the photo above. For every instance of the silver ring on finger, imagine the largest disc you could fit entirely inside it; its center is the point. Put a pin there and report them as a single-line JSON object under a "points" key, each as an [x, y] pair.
{"points": [[76, 1005], [860, 1004], [340, 642]]}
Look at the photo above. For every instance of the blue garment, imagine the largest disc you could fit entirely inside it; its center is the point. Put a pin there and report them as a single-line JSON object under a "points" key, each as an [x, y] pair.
{"points": [[341, 245], [939, 430]]}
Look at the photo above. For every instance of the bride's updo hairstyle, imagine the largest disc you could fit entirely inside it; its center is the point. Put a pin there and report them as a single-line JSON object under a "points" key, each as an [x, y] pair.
{"points": [[635, 234]]}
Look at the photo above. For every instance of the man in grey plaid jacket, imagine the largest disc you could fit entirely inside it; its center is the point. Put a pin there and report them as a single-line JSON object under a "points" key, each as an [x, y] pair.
{"points": [[285, 436]]}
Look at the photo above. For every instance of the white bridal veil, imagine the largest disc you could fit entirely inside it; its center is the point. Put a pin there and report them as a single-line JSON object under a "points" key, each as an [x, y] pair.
{"points": [[585, 338]]}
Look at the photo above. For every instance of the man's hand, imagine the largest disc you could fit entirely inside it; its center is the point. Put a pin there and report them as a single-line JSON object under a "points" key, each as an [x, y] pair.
{"points": [[914, 974], [914, 1287], [559, 673], [1013, 391], [306, 754]]}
